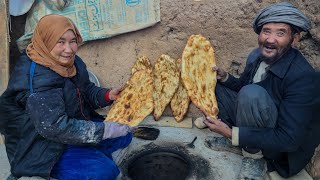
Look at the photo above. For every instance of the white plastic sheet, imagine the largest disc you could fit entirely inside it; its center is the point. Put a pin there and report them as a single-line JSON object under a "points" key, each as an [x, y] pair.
{"points": [[19, 7]]}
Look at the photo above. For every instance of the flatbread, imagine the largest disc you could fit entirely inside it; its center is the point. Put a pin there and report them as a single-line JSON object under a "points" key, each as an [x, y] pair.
{"points": [[135, 102], [197, 75], [166, 82], [180, 101], [142, 63]]}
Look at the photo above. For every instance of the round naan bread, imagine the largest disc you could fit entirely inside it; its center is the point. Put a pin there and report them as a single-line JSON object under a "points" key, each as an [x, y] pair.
{"points": [[197, 75], [135, 102], [180, 101], [166, 82]]}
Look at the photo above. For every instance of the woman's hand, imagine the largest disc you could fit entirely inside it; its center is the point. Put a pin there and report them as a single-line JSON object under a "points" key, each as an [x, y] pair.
{"points": [[222, 75], [216, 125], [114, 130], [114, 93]]}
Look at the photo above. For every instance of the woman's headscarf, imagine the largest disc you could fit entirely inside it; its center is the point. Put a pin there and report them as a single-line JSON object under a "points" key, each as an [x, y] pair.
{"points": [[281, 12], [47, 33]]}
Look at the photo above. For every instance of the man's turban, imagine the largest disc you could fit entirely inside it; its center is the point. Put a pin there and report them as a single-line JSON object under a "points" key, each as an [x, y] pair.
{"points": [[282, 12]]}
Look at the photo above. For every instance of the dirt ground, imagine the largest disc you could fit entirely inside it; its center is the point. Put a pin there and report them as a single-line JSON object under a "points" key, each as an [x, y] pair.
{"points": [[226, 23]]}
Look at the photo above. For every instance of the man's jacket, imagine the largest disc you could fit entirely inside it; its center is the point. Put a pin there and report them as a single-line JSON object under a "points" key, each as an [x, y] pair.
{"points": [[290, 82], [37, 126]]}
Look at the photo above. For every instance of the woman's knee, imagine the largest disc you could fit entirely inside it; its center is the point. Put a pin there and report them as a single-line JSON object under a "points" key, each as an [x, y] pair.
{"points": [[103, 168], [108, 171]]}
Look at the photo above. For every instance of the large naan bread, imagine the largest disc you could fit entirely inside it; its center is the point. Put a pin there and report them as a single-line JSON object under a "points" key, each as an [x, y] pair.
{"points": [[180, 101], [197, 76], [142, 63], [135, 102], [166, 81]]}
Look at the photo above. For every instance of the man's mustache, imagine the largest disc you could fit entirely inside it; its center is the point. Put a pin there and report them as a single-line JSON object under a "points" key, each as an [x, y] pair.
{"points": [[270, 46]]}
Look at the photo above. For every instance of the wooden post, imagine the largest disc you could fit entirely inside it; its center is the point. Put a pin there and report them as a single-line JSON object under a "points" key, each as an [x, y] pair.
{"points": [[4, 49]]}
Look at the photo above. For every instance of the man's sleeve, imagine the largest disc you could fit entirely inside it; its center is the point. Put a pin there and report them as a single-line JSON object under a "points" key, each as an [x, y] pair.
{"points": [[235, 136], [236, 84]]}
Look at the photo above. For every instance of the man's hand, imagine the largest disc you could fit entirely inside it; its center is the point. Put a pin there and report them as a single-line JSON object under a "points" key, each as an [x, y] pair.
{"points": [[216, 125], [114, 93], [221, 73]]}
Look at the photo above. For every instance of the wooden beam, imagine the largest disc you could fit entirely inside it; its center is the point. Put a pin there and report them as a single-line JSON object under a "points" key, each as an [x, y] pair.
{"points": [[4, 49]]}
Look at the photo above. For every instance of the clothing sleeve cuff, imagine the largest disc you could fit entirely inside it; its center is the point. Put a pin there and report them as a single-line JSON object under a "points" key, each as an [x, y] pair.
{"points": [[106, 96], [225, 79], [235, 136]]}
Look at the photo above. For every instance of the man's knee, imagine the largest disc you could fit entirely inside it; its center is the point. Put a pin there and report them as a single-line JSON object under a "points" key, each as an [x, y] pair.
{"points": [[255, 107], [251, 93]]}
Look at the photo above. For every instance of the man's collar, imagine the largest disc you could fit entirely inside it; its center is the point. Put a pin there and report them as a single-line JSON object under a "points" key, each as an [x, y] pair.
{"points": [[280, 67]]}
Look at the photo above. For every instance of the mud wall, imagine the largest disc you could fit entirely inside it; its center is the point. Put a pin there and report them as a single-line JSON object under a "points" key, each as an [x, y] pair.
{"points": [[226, 23]]}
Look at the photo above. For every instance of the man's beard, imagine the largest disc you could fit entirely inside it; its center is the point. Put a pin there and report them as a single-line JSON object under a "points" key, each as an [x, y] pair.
{"points": [[277, 56], [279, 53]]}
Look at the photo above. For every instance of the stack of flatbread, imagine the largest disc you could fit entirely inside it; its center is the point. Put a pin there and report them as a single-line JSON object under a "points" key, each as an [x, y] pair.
{"points": [[152, 89], [197, 76], [180, 101], [135, 102], [166, 82], [142, 63]]}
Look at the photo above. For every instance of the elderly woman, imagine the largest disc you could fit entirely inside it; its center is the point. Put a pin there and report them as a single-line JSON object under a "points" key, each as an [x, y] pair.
{"points": [[47, 111]]}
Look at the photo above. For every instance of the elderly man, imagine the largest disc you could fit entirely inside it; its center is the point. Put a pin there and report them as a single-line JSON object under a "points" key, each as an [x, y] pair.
{"points": [[269, 110]]}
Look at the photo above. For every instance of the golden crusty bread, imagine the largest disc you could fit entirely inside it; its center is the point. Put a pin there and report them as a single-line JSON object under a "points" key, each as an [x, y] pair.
{"points": [[142, 63], [166, 81], [197, 75], [180, 101], [135, 102]]}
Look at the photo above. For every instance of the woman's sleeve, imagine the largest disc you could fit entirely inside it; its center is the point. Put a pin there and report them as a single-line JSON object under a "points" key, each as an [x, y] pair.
{"points": [[47, 111], [94, 95]]}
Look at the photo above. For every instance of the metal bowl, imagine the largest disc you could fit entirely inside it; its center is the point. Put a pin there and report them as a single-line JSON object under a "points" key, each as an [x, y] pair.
{"points": [[93, 78]]}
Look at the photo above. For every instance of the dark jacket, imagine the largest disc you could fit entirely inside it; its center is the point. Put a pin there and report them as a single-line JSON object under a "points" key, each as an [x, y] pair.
{"points": [[37, 126], [291, 84]]}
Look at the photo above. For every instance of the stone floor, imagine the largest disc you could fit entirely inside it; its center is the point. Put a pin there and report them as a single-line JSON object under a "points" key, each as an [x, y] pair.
{"points": [[220, 165], [4, 164]]}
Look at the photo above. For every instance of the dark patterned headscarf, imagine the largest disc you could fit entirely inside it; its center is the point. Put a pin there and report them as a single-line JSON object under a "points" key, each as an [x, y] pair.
{"points": [[281, 12]]}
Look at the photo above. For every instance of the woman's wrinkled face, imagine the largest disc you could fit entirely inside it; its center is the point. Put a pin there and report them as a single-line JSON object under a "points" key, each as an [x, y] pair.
{"points": [[66, 47]]}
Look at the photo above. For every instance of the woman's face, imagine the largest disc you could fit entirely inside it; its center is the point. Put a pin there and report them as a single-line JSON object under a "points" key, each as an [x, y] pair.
{"points": [[66, 47]]}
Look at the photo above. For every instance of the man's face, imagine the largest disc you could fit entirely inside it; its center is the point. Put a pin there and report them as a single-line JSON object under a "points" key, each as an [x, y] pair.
{"points": [[274, 40]]}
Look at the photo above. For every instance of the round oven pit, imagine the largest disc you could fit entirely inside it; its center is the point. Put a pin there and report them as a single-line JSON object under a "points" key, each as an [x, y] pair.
{"points": [[160, 165], [163, 161]]}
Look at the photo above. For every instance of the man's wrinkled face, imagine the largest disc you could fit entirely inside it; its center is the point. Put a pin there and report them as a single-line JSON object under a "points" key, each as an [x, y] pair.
{"points": [[274, 40]]}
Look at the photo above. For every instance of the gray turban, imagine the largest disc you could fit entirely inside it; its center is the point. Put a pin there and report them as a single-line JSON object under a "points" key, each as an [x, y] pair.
{"points": [[282, 12]]}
